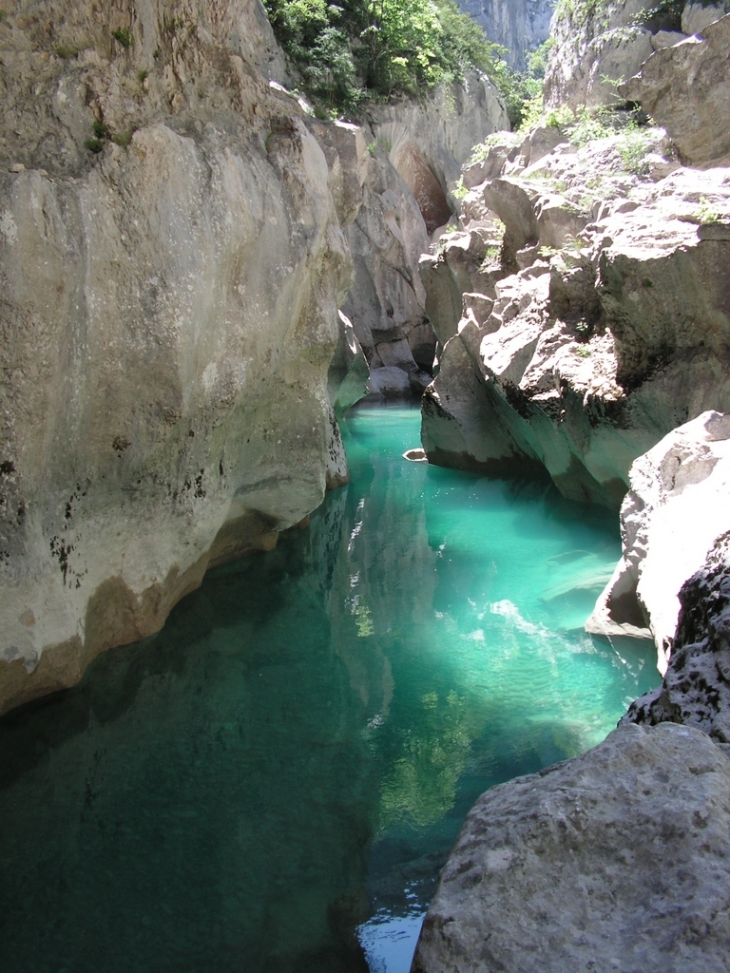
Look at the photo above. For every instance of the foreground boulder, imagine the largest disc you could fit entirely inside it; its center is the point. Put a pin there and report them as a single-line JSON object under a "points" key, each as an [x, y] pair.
{"points": [[614, 860]]}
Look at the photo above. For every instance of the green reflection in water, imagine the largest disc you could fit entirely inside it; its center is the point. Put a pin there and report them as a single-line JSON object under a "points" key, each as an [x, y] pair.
{"points": [[291, 757]]}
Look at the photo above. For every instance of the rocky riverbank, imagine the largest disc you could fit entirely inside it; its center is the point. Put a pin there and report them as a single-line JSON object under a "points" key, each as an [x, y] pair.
{"points": [[594, 323]]}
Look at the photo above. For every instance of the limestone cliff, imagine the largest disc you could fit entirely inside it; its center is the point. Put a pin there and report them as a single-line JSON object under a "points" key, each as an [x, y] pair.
{"points": [[416, 151], [600, 43], [594, 325], [518, 25], [172, 257]]}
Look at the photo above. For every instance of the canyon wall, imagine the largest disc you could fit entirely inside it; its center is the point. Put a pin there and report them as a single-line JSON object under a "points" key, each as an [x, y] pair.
{"points": [[173, 254], [176, 234], [600, 43], [415, 155], [518, 25]]}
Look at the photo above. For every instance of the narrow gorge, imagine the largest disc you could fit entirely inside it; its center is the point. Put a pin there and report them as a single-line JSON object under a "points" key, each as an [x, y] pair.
{"points": [[208, 261]]}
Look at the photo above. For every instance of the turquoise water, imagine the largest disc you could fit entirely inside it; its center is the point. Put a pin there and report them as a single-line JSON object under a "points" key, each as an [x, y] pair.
{"points": [[271, 783]]}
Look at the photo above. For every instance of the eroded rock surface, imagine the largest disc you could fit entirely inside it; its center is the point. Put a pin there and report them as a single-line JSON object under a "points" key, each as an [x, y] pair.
{"points": [[596, 324], [614, 860], [415, 153], [674, 511], [172, 257], [686, 88], [599, 45]]}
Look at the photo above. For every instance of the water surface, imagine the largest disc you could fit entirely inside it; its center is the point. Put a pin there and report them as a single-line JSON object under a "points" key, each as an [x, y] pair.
{"points": [[271, 784]]}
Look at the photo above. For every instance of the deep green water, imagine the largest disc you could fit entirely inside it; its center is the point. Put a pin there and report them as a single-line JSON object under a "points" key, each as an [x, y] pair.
{"points": [[271, 783]]}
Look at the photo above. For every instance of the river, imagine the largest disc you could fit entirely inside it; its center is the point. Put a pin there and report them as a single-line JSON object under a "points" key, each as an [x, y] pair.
{"points": [[271, 783]]}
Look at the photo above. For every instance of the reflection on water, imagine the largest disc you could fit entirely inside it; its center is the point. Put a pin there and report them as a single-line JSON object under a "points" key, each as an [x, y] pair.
{"points": [[271, 784]]}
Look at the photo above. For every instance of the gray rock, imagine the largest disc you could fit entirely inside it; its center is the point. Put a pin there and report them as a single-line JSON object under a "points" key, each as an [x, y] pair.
{"points": [[518, 25], [601, 320], [695, 690], [614, 860], [697, 16], [169, 317], [596, 46], [686, 88]]}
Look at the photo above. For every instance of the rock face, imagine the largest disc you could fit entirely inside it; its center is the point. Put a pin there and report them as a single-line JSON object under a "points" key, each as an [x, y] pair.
{"points": [[696, 686], [593, 326], [172, 259], [415, 154], [616, 859], [686, 88], [676, 508], [599, 45], [518, 25]]}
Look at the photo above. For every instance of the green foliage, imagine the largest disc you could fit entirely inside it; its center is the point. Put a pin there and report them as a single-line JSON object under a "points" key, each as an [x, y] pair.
{"points": [[142, 76], [66, 51], [122, 138], [580, 12], [633, 153], [356, 49], [460, 190], [538, 59], [123, 36], [94, 145], [706, 213]]}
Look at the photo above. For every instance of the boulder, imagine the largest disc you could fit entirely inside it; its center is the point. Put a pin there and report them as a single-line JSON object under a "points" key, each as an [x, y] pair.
{"points": [[695, 690], [595, 47], [698, 16], [686, 88], [674, 511], [615, 860]]}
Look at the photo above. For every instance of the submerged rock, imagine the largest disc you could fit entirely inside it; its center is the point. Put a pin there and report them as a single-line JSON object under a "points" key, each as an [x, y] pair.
{"points": [[617, 859]]}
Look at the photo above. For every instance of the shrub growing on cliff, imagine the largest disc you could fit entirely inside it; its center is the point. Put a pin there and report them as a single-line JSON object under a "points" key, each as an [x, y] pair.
{"points": [[355, 49]]}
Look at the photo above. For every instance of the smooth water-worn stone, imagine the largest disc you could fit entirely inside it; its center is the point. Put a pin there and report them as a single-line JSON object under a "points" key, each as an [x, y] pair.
{"points": [[676, 508], [169, 317], [617, 859], [695, 690]]}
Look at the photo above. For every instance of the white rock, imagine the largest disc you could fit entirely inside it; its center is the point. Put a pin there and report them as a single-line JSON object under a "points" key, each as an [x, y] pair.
{"points": [[674, 511]]}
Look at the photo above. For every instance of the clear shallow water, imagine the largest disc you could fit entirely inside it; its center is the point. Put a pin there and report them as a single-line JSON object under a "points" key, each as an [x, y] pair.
{"points": [[271, 783]]}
